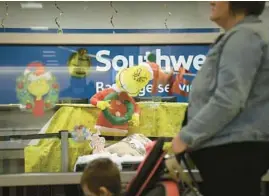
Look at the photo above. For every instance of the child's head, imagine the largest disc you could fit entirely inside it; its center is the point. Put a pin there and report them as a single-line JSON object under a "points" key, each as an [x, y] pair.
{"points": [[101, 178]]}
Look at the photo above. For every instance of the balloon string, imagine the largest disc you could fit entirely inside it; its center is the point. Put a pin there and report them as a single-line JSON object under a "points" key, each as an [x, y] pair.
{"points": [[5, 16], [112, 17], [57, 19], [166, 19]]}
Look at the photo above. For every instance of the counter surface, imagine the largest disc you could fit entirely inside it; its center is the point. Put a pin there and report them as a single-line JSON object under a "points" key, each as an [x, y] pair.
{"points": [[31, 179]]}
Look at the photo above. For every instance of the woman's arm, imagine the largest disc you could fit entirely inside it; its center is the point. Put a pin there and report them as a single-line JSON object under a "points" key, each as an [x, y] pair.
{"points": [[240, 59]]}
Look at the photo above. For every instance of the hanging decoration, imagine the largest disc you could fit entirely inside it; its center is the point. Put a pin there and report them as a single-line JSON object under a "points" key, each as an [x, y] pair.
{"points": [[166, 19], [112, 17], [57, 19], [5, 16], [37, 89]]}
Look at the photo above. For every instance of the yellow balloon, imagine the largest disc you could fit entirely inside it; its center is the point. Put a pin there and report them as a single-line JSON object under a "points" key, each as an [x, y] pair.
{"points": [[133, 79]]}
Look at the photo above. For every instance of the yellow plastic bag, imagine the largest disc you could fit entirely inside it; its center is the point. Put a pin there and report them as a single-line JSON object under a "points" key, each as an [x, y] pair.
{"points": [[160, 119], [46, 156], [156, 120]]}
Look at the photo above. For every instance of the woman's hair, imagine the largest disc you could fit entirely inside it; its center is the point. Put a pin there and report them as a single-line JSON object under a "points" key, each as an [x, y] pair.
{"points": [[102, 173], [248, 7]]}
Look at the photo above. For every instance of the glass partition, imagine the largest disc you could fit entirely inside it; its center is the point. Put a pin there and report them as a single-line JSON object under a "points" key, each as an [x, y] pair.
{"points": [[46, 88]]}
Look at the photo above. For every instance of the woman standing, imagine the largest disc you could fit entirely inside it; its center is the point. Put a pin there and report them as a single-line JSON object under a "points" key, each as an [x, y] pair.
{"points": [[227, 132]]}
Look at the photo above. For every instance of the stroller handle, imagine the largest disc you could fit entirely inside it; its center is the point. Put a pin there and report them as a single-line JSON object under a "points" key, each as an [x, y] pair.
{"points": [[180, 157]]}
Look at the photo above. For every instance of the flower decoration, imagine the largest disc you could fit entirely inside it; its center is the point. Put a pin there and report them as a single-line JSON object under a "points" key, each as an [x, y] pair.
{"points": [[81, 133]]}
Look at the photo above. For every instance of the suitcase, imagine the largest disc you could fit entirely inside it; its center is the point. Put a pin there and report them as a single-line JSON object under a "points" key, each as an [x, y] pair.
{"points": [[158, 175]]}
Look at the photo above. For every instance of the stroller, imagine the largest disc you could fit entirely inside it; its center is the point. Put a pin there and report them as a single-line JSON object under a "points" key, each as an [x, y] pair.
{"points": [[159, 175]]}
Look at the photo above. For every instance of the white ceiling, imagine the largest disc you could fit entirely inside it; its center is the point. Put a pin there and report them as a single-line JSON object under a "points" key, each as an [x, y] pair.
{"points": [[96, 15]]}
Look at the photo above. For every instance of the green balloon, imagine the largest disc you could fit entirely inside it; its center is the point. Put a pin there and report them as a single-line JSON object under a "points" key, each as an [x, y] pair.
{"points": [[152, 58]]}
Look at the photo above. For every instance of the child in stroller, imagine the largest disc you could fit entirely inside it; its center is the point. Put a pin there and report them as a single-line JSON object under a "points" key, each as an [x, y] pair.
{"points": [[101, 177]]}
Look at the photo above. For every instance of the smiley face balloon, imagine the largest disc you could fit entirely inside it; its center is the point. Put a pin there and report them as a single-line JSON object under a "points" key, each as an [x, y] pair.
{"points": [[133, 79]]}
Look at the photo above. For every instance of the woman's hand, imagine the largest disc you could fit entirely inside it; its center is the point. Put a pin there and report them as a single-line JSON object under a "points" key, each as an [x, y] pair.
{"points": [[178, 146]]}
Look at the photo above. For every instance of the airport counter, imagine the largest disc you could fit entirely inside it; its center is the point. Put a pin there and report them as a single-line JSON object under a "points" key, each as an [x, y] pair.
{"points": [[64, 184]]}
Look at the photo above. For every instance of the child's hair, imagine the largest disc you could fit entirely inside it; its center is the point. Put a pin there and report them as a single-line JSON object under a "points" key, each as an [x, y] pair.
{"points": [[102, 173]]}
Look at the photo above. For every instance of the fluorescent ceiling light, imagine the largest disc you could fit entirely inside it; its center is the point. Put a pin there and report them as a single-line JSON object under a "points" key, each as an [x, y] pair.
{"points": [[31, 5], [39, 28]]}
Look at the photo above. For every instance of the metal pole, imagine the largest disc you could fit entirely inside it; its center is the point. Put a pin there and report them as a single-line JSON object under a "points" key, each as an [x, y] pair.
{"points": [[64, 150]]}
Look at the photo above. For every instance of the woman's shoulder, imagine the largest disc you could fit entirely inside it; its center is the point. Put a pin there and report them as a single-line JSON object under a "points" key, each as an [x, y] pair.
{"points": [[246, 33], [243, 38]]}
